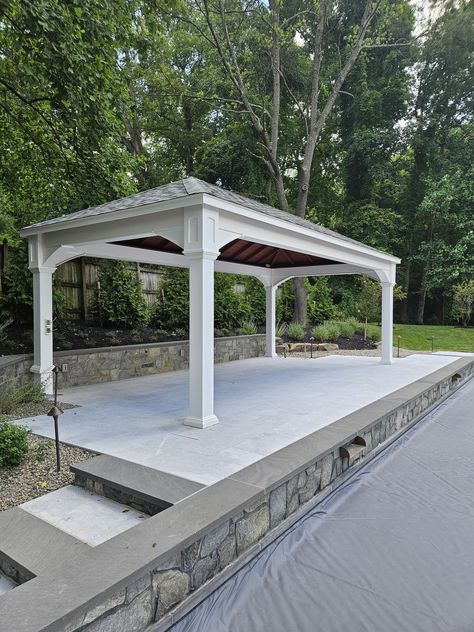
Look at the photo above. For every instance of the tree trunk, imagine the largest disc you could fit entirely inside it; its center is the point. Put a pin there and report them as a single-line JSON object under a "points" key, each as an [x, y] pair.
{"points": [[301, 301]]}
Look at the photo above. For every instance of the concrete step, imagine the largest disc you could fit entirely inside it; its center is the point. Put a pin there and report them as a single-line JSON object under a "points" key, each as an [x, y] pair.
{"points": [[29, 546], [143, 488], [84, 515]]}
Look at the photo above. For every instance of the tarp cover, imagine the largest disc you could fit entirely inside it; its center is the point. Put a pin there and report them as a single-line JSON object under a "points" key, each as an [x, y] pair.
{"points": [[390, 551]]}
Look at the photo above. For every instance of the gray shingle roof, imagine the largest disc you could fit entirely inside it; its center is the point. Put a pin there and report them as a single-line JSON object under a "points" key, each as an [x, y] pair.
{"points": [[190, 186]]}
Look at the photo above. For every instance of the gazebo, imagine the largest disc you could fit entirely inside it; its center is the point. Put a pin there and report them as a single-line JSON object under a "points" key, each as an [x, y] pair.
{"points": [[205, 228]]}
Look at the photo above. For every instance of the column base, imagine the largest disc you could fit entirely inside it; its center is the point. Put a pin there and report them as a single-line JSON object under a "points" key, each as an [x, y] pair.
{"points": [[385, 361], [45, 377], [201, 422], [271, 355]]}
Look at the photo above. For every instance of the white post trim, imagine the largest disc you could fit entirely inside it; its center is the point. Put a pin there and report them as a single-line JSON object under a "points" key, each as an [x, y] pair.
{"points": [[43, 326], [270, 328], [387, 323]]}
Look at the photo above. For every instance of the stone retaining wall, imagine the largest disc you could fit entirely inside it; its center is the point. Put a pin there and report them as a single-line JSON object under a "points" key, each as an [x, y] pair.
{"points": [[92, 366], [146, 604]]}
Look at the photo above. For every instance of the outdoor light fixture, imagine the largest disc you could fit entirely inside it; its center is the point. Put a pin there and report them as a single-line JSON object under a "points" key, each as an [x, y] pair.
{"points": [[398, 347], [311, 341], [56, 411]]}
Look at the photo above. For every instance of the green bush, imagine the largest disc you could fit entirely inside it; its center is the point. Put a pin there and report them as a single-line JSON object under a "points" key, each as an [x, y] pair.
{"points": [[320, 333], [374, 333], [120, 300], [281, 329], [355, 324], [346, 329], [333, 330], [247, 327], [320, 300], [296, 331], [13, 443], [11, 397], [171, 312]]}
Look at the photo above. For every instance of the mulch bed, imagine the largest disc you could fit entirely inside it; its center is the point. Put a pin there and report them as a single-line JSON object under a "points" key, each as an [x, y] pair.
{"points": [[357, 342]]}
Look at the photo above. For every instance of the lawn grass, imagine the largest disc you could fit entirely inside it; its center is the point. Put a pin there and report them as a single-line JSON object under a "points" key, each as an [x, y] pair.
{"points": [[447, 338]]}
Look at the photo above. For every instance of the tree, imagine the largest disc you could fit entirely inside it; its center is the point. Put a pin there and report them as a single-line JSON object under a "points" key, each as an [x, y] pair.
{"points": [[463, 302], [243, 35]]}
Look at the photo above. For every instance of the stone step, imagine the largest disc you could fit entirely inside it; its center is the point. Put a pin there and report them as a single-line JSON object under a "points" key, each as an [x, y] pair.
{"points": [[29, 546], [84, 515], [143, 488], [6, 584]]}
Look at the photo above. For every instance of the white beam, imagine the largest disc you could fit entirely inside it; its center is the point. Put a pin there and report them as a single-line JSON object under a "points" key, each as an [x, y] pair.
{"points": [[387, 323]]}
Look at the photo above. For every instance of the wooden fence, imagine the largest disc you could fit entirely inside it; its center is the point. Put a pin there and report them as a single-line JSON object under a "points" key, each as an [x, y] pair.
{"points": [[78, 282]]}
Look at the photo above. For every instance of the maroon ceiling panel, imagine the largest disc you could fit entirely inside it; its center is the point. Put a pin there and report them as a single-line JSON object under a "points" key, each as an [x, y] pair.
{"points": [[238, 251]]}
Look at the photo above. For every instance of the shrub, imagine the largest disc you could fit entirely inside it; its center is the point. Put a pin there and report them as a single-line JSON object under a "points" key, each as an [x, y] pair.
{"points": [[247, 327], [281, 329], [373, 332], [320, 333], [320, 300], [355, 324], [11, 397], [120, 300], [13, 443], [333, 330], [346, 329], [296, 331]]}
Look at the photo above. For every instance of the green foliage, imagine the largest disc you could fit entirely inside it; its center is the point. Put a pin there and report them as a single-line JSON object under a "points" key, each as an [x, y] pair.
{"points": [[13, 443], [11, 397], [320, 300], [230, 308], [320, 333], [296, 331], [247, 327], [333, 330], [281, 329], [120, 299], [171, 311], [346, 329], [254, 297], [463, 302], [374, 333]]}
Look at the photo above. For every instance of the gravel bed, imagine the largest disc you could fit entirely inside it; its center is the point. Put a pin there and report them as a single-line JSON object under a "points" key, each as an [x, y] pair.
{"points": [[37, 474], [374, 353], [33, 409]]}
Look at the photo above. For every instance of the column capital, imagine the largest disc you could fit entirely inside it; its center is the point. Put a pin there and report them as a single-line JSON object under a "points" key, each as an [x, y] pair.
{"points": [[45, 269], [201, 254]]}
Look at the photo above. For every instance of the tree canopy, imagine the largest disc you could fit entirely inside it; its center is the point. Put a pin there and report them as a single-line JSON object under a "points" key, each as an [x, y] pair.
{"points": [[347, 113]]}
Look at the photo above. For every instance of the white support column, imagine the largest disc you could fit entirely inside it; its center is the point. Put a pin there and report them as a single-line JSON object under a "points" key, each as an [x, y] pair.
{"points": [[270, 329], [43, 326], [387, 323], [200, 237]]}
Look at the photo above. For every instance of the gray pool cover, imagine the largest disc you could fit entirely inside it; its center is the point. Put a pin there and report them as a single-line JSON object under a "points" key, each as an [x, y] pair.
{"points": [[391, 551]]}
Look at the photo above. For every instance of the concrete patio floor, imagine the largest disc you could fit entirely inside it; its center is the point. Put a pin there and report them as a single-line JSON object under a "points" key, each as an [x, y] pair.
{"points": [[263, 405]]}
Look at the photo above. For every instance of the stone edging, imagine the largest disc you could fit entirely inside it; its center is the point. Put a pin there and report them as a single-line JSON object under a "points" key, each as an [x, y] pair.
{"points": [[138, 579]]}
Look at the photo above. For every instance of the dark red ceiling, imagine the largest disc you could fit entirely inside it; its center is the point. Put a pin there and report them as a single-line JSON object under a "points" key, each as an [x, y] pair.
{"points": [[238, 251]]}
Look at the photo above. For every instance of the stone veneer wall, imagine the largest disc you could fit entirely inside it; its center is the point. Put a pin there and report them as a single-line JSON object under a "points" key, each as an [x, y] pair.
{"points": [[150, 599], [92, 366], [15, 371]]}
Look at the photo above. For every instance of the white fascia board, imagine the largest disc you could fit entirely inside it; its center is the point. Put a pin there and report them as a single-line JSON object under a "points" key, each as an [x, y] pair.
{"points": [[275, 223], [167, 224], [91, 221]]}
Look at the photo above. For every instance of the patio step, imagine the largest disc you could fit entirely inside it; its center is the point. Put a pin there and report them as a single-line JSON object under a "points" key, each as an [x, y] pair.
{"points": [[143, 488], [30, 546]]}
